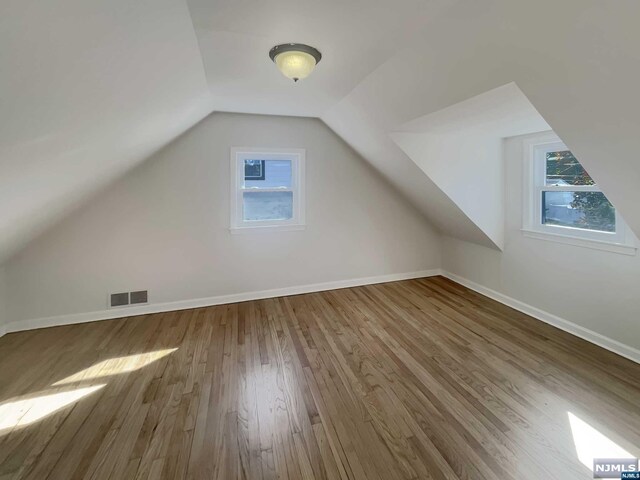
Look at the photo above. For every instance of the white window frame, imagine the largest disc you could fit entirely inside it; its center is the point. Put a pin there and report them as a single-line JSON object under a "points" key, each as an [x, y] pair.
{"points": [[297, 158], [535, 148]]}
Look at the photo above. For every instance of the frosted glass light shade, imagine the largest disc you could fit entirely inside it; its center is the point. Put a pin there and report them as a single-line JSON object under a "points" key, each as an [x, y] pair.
{"points": [[295, 60], [295, 65]]}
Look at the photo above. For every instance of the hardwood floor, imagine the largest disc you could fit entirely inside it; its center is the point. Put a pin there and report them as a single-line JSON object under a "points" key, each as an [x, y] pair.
{"points": [[420, 379]]}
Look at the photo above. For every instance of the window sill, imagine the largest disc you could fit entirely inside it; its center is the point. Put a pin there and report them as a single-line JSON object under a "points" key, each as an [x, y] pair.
{"points": [[267, 229], [620, 248]]}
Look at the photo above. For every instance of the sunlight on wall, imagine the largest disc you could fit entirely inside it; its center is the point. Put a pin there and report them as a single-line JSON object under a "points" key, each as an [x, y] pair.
{"points": [[590, 443], [18, 413], [114, 366]]}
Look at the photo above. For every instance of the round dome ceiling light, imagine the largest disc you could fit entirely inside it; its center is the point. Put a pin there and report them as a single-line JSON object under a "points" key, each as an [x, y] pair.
{"points": [[295, 60]]}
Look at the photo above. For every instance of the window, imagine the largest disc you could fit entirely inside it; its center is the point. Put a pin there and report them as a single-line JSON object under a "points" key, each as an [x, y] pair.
{"points": [[563, 202], [267, 189]]}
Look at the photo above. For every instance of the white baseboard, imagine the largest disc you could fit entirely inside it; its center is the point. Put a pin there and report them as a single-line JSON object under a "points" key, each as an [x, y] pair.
{"points": [[122, 312], [570, 327]]}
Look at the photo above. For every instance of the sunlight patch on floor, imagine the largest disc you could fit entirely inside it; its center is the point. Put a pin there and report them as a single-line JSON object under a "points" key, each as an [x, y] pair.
{"points": [[114, 366], [590, 443], [19, 413]]}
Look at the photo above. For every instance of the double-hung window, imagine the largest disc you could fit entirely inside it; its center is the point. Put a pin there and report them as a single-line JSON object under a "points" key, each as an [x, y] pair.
{"points": [[267, 189], [563, 202]]}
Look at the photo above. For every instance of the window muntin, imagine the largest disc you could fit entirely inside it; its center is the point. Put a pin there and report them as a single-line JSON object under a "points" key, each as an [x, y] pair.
{"points": [[267, 189], [562, 199]]}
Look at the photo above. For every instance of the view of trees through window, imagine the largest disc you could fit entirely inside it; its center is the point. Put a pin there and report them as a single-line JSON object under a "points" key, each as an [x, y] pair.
{"points": [[581, 209]]}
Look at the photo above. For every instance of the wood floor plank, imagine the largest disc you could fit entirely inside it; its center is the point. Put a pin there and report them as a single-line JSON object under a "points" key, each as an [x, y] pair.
{"points": [[419, 379]]}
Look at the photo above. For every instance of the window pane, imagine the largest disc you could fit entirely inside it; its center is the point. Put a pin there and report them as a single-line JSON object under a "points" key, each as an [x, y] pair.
{"points": [[267, 206], [267, 173], [564, 169], [587, 210]]}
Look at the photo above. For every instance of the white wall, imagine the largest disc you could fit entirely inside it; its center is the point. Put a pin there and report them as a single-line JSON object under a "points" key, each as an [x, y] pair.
{"points": [[89, 89], [594, 289], [164, 227], [467, 166], [589, 99], [460, 149]]}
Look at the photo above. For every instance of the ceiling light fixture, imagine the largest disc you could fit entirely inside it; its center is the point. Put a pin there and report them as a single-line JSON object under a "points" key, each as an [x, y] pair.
{"points": [[295, 60]]}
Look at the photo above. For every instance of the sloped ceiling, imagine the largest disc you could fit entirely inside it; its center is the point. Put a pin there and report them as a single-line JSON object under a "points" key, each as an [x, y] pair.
{"points": [[89, 88], [576, 61], [460, 149]]}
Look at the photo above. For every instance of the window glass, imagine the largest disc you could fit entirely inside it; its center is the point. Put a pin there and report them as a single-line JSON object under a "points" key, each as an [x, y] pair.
{"points": [[260, 206], [564, 169], [267, 174], [563, 203], [586, 210]]}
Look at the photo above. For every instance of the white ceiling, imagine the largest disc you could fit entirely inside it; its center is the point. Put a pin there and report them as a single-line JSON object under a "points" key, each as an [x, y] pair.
{"points": [[576, 61], [354, 37], [89, 88]]}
